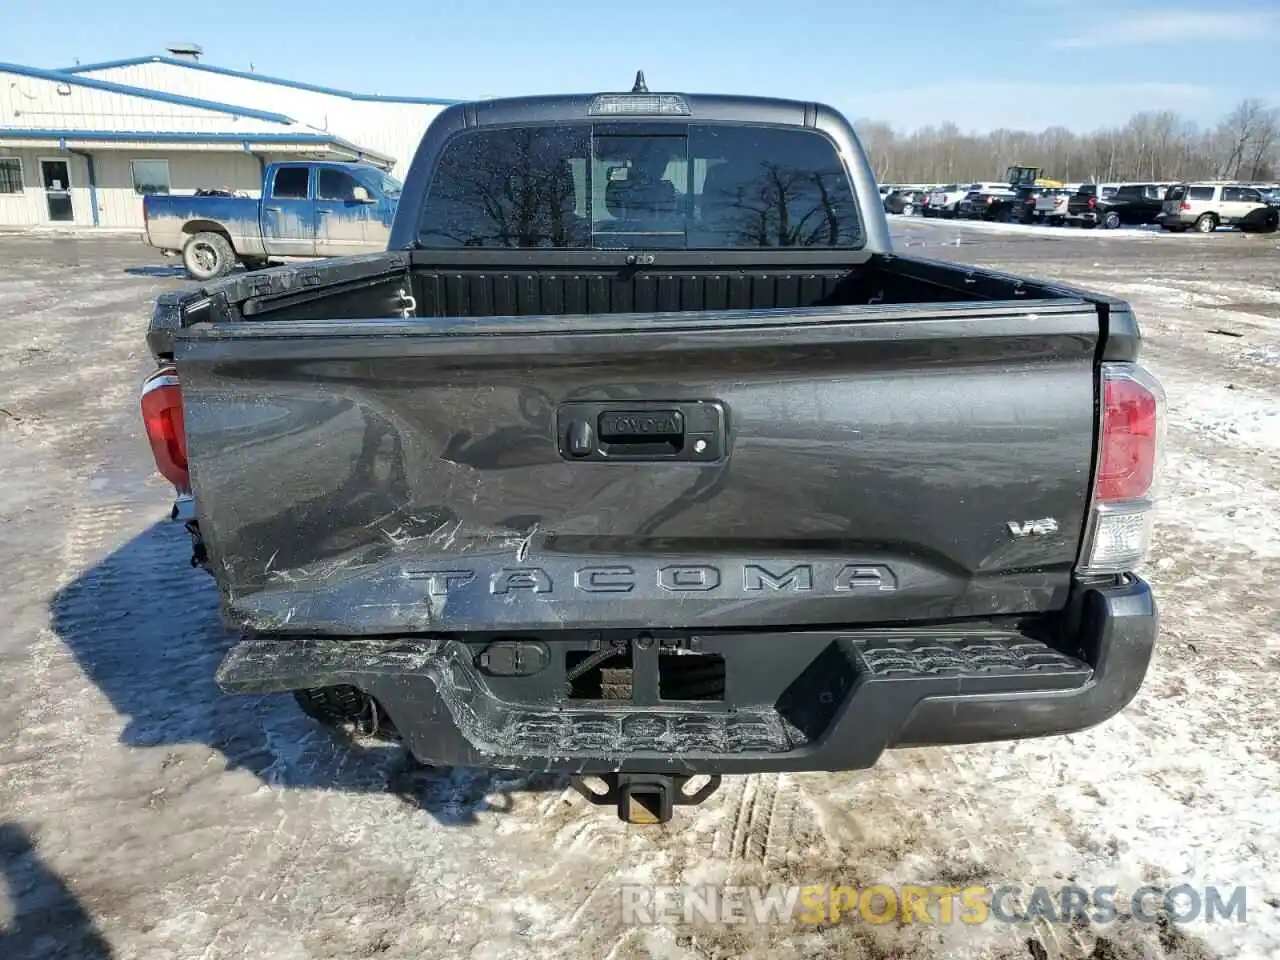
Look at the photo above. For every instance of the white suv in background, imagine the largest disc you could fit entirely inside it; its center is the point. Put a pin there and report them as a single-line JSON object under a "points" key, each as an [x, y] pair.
{"points": [[1207, 206], [943, 201]]}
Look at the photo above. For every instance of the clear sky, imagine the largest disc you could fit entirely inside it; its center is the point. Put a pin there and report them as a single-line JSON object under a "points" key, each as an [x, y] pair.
{"points": [[980, 64]]}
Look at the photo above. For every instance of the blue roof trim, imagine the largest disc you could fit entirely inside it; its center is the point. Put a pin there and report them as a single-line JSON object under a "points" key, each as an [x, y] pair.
{"points": [[246, 75], [107, 136], [58, 76]]}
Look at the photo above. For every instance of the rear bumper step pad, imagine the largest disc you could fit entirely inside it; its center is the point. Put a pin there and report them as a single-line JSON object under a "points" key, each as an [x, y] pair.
{"points": [[810, 700]]}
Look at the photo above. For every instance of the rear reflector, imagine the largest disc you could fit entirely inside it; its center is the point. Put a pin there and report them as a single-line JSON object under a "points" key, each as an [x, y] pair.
{"points": [[1129, 462], [161, 403], [1119, 537]]}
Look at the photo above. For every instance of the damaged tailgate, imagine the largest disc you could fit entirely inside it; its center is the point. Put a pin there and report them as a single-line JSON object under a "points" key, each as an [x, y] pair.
{"points": [[738, 469]]}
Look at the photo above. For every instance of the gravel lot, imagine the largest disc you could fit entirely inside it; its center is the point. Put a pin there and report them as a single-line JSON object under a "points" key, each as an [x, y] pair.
{"points": [[142, 814]]}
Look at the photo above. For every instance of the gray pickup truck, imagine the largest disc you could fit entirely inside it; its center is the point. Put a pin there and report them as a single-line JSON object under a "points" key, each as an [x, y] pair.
{"points": [[641, 455]]}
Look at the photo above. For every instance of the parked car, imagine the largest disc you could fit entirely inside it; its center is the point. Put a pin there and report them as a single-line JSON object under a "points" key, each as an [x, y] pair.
{"points": [[1133, 204], [944, 200], [1022, 208], [1082, 205], [967, 208], [308, 209], [987, 201], [905, 202], [605, 469], [1207, 206], [1051, 206]]}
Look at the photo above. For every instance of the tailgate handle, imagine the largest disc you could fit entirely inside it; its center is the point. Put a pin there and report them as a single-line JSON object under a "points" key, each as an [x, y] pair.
{"points": [[641, 434], [592, 431], [641, 426]]}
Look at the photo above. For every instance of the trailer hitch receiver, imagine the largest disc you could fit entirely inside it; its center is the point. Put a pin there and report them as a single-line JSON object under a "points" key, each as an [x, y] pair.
{"points": [[644, 798]]}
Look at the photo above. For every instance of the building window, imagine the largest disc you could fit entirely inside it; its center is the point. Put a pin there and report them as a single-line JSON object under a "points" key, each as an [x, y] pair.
{"points": [[10, 175], [150, 176]]}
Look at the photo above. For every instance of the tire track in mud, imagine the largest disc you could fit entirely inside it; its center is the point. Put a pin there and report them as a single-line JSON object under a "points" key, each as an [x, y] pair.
{"points": [[74, 399], [128, 618], [74, 513], [758, 819], [865, 828], [144, 625]]}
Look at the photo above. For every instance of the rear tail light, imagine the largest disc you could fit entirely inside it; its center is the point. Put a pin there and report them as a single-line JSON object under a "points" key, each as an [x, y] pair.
{"points": [[161, 403], [1130, 456], [1093, 202]]}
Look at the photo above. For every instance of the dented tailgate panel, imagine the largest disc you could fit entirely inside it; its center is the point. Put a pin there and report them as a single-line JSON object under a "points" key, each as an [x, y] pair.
{"points": [[863, 466]]}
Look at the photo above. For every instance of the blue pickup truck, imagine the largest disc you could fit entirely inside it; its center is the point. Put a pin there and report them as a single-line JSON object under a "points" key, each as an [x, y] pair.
{"points": [[308, 209]]}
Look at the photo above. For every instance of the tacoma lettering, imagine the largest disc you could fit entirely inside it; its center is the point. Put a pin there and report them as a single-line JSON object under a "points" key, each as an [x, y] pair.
{"points": [[865, 578], [605, 579], [624, 578], [443, 582], [688, 578], [756, 577], [528, 578]]}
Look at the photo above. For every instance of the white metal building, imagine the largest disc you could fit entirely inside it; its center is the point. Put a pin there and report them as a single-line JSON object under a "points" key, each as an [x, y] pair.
{"points": [[80, 147]]}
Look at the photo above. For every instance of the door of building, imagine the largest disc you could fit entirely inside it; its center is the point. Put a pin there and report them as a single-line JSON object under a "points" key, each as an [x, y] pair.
{"points": [[56, 176]]}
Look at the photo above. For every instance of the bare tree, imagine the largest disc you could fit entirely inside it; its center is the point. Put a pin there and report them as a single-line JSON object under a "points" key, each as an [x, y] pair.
{"points": [[1159, 146], [1260, 156], [1237, 132]]}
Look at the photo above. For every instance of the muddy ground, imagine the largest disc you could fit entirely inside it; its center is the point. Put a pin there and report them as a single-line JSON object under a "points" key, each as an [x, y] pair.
{"points": [[143, 814]]}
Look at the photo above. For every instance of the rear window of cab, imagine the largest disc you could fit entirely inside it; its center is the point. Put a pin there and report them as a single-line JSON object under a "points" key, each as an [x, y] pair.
{"points": [[681, 186]]}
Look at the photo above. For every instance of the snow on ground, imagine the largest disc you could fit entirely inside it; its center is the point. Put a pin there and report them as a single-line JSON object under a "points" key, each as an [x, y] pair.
{"points": [[1242, 417], [144, 815], [1038, 229], [1044, 230]]}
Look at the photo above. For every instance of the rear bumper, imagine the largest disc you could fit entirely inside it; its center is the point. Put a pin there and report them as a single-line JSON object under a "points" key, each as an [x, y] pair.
{"points": [[813, 700]]}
